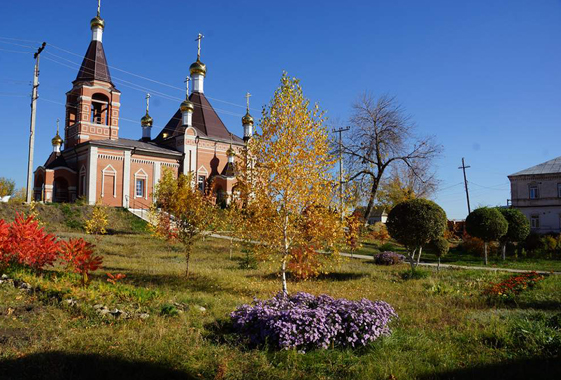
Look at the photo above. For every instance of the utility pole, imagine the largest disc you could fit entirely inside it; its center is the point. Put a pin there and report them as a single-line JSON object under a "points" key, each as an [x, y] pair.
{"points": [[34, 97], [464, 167], [340, 132]]}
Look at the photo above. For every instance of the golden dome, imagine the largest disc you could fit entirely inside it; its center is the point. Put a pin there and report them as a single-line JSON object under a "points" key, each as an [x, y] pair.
{"points": [[230, 152], [198, 68], [247, 119], [97, 22], [57, 140], [186, 105], [146, 120]]}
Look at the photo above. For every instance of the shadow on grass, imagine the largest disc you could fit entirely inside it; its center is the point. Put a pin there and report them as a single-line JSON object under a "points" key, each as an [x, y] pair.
{"points": [[335, 276], [539, 368], [221, 331], [539, 305], [60, 365], [169, 281]]}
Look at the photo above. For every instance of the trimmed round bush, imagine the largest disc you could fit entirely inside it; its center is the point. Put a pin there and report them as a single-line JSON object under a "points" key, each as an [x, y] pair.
{"points": [[486, 223], [388, 258], [416, 222], [304, 321], [518, 225]]}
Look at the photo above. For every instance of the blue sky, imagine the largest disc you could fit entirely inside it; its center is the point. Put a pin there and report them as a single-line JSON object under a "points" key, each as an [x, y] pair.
{"points": [[482, 76]]}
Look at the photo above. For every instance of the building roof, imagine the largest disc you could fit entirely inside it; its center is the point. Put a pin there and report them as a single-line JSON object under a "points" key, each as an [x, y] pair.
{"points": [[205, 120], [94, 66], [229, 170], [548, 167], [55, 161], [147, 146]]}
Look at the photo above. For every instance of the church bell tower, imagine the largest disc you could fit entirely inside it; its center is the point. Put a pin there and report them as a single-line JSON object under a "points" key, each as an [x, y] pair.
{"points": [[92, 105]]}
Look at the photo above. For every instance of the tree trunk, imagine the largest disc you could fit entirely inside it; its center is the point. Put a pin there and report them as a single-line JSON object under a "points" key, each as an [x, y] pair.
{"points": [[438, 265], [187, 257], [371, 198], [485, 251], [285, 256], [412, 261], [419, 255], [504, 251], [283, 270]]}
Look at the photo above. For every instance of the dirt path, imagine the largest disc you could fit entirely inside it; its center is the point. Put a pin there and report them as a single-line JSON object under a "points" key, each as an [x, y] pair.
{"points": [[452, 266], [449, 266]]}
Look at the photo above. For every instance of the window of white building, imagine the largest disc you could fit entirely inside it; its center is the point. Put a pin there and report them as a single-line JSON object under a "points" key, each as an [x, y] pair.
{"points": [[559, 190], [535, 221], [534, 192]]}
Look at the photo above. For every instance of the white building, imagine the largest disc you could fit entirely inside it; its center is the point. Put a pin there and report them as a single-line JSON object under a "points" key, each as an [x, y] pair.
{"points": [[536, 192]]}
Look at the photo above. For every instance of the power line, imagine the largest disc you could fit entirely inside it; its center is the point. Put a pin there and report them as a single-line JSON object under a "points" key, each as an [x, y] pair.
{"points": [[143, 89], [123, 71], [149, 79]]}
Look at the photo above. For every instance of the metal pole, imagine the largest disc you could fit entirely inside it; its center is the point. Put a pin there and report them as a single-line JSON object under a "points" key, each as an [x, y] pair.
{"points": [[340, 131], [34, 97], [464, 167]]}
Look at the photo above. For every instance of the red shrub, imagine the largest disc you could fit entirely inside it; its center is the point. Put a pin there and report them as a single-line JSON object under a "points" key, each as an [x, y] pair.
{"points": [[28, 244], [5, 255], [78, 254], [114, 278], [513, 286]]}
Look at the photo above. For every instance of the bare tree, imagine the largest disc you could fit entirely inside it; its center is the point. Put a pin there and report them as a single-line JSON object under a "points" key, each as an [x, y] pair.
{"points": [[404, 183], [382, 136]]}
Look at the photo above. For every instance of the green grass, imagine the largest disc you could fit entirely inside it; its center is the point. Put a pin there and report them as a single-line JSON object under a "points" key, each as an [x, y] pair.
{"points": [[459, 257], [445, 328]]}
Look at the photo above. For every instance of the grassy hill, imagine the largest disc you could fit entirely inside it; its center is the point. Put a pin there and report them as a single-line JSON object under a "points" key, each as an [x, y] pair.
{"points": [[70, 217], [445, 328]]}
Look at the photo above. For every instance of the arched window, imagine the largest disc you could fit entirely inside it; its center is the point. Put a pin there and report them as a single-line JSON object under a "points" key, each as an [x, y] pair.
{"points": [[141, 184], [99, 110], [109, 181]]}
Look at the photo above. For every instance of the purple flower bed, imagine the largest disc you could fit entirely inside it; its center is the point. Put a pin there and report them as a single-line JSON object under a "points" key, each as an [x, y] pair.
{"points": [[388, 258], [305, 321]]}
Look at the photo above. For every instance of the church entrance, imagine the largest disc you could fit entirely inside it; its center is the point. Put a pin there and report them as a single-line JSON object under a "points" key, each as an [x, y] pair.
{"points": [[60, 190]]}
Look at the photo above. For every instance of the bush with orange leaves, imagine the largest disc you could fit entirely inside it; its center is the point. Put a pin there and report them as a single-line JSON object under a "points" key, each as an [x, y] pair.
{"points": [[380, 233], [306, 261], [354, 222], [476, 246], [78, 255]]}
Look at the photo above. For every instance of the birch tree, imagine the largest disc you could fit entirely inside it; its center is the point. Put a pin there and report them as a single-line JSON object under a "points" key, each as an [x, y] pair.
{"points": [[184, 213], [291, 175]]}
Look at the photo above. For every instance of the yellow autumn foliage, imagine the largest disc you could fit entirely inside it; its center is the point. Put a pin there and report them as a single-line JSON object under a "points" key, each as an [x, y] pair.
{"points": [[97, 223], [287, 183]]}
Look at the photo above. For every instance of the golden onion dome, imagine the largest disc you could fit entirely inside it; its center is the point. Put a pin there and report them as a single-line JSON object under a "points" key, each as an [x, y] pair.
{"points": [[146, 120], [230, 152], [97, 22], [186, 105], [198, 68], [57, 140], [247, 119]]}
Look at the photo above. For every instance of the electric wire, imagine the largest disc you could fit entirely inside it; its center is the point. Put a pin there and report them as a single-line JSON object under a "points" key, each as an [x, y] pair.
{"points": [[118, 69]]}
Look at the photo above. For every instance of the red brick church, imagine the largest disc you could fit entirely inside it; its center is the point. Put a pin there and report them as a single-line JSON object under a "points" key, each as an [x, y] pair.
{"points": [[94, 163]]}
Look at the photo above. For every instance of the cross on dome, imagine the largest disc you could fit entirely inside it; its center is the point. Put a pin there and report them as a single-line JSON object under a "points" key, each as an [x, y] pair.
{"points": [[247, 100], [186, 81], [198, 39]]}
